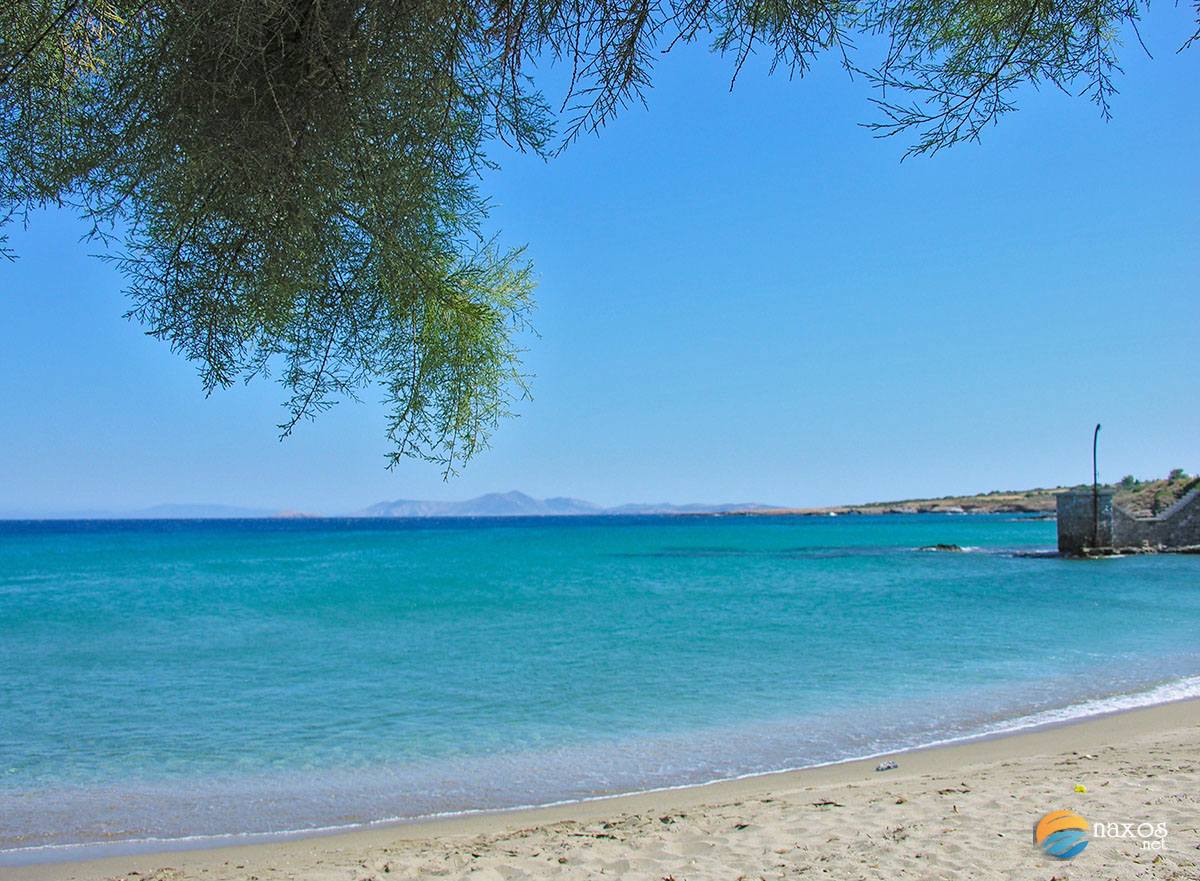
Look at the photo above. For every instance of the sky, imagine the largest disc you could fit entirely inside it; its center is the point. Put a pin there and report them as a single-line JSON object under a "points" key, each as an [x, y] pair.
{"points": [[743, 296]]}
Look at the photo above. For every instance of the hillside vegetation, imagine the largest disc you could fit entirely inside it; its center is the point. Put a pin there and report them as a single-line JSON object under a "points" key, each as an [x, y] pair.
{"points": [[1149, 497], [1140, 497]]}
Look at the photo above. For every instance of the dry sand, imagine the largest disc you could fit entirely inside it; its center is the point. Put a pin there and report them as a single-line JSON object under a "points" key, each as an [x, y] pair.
{"points": [[957, 812]]}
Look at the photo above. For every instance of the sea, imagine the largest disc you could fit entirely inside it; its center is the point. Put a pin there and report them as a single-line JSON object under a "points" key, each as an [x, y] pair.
{"points": [[180, 683]]}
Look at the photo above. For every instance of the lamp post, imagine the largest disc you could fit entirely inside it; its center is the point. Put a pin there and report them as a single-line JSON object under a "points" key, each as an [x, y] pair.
{"points": [[1095, 489]]}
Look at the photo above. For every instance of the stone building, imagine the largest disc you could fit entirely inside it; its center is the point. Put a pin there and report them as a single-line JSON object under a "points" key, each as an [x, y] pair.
{"points": [[1080, 514]]}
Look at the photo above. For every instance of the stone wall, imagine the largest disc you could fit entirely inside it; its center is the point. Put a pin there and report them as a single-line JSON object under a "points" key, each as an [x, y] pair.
{"points": [[1075, 521], [1178, 526]]}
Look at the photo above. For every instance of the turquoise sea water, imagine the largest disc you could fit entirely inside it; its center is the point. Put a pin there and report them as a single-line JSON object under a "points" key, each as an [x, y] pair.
{"points": [[190, 679]]}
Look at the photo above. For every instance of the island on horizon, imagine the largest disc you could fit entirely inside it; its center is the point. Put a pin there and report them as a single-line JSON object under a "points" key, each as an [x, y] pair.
{"points": [[1139, 497]]}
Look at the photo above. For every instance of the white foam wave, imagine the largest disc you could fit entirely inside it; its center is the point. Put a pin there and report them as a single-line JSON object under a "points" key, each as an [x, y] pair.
{"points": [[1167, 692]]}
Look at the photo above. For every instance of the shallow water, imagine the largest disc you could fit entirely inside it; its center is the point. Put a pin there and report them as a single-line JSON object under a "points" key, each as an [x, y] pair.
{"points": [[167, 679]]}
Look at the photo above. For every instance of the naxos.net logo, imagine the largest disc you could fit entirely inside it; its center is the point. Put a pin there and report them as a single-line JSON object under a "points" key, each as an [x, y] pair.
{"points": [[1061, 834]]}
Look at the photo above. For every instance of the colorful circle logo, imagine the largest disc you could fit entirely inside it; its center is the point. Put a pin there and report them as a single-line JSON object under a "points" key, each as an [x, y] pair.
{"points": [[1061, 834]]}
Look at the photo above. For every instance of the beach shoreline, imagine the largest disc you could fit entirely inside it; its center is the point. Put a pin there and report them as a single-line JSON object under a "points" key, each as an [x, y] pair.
{"points": [[1174, 725]]}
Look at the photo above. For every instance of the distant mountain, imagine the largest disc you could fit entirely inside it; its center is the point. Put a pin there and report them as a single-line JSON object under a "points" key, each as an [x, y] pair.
{"points": [[510, 504], [694, 508], [518, 504], [156, 512], [199, 512]]}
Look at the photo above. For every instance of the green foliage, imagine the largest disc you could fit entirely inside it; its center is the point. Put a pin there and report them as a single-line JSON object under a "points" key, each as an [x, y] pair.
{"points": [[960, 63], [1177, 474], [290, 186], [1162, 500], [1129, 482]]}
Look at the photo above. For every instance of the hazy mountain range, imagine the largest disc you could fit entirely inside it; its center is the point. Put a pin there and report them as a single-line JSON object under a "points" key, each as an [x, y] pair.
{"points": [[518, 504], [155, 512], [509, 504]]}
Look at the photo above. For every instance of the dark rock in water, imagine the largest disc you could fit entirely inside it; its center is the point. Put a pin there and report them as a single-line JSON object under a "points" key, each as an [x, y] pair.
{"points": [[940, 547]]}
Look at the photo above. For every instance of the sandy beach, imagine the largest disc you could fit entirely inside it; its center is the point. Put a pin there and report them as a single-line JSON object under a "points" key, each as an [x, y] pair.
{"points": [[957, 811]]}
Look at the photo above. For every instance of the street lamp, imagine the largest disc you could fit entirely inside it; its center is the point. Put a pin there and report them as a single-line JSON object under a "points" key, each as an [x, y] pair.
{"points": [[1095, 489]]}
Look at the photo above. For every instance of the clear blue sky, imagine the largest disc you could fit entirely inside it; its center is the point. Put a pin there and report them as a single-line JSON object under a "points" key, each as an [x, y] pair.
{"points": [[743, 296]]}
